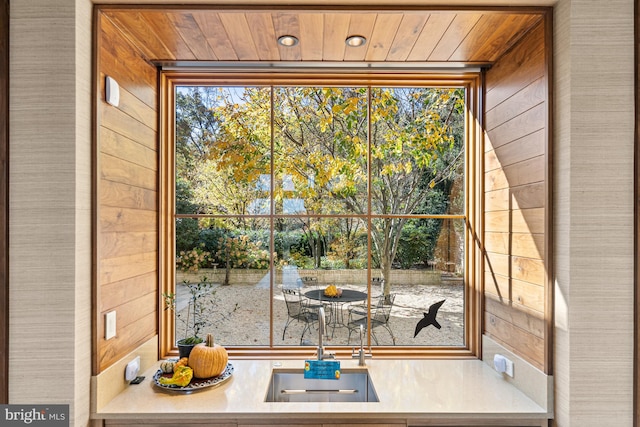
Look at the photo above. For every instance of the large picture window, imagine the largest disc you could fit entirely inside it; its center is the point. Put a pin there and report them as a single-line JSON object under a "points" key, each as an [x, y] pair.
{"points": [[280, 198]]}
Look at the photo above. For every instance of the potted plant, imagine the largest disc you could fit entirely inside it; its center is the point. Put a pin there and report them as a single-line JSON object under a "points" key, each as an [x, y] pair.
{"points": [[196, 309], [193, 318]]}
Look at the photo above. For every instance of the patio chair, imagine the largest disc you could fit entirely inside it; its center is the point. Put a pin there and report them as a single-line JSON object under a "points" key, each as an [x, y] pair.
{"points": [[298, 310], [380, 315]]}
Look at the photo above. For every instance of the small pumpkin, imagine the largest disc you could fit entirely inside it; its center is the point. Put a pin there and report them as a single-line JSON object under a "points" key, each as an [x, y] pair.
{"points": [[167, 366], [208, 359]]}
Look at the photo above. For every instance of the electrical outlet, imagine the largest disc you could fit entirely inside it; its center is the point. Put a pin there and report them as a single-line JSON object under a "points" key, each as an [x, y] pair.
{"points": [[503, 365], [132, 369], [109, 325], [509, 368]]}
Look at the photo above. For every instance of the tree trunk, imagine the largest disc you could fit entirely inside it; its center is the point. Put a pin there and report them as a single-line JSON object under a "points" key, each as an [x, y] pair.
{"points": [[227, 273], [385, 266]]}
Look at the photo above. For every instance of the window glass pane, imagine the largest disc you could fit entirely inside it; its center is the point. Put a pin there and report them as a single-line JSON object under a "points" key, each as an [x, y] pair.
{"points": [[318, 258], [417, 152], [427, 269], [223, 265], [262, 263], [320, 150], [223, 143]]}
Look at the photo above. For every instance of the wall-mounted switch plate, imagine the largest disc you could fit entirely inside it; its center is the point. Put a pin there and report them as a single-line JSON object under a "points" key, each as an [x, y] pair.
{"points": [[109, 325]]}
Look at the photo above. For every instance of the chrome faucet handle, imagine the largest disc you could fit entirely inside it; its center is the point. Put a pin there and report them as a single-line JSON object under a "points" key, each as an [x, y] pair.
{"points": [[361, 354]]}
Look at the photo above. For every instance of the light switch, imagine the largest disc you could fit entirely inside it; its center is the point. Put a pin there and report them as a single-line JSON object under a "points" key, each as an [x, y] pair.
{"points": [[109, 325]]}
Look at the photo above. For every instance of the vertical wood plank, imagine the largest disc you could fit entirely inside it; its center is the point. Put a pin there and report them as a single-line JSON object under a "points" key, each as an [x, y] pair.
{"points": [[263, 35], [167, 34], [480, 33], [436, 24], [311, 28], [334, 34], [209, 22], [187, 28], [455, 34], [384, 32], [408, 33]]}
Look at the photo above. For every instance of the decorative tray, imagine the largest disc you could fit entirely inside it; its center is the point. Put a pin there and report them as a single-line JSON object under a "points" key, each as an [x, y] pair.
{"points": [[196, 383]]}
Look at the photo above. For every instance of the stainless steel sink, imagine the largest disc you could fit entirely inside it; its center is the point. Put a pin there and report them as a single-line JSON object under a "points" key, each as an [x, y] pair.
{"points": [[291, 386]]}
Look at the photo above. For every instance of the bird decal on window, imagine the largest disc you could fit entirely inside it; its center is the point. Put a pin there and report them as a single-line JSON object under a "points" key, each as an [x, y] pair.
{"points": [[429, 318]]}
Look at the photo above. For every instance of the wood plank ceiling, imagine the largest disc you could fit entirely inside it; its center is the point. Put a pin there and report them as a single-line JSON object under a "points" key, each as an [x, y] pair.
{"points": [[463, 37]]}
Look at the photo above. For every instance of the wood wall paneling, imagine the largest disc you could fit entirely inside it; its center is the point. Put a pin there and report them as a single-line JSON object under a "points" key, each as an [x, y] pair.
{"points": [[334, 32], [460, 27], [311, 27], [262, 23], [284, 23], [406, 37], [219, 42], [124, 62], [165, 34], [516, 199], [524, 197], [126, 189], [517, 68], [426, 43]]}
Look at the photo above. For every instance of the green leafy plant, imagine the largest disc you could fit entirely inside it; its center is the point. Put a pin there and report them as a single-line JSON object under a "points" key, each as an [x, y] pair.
{"points": [[202, 310], [200, 307], [190, 261]]}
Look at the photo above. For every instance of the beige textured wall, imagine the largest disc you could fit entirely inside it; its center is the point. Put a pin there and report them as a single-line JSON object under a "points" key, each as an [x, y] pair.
{"points": [[593, 215], [50, 254], [50, 204]]}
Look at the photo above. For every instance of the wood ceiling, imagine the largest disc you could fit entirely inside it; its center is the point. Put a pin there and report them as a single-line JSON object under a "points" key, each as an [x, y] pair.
{"points": [[445, 37]]}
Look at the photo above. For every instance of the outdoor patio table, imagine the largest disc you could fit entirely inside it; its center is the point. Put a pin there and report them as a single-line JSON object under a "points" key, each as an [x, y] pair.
{"points": [[348, 295]]}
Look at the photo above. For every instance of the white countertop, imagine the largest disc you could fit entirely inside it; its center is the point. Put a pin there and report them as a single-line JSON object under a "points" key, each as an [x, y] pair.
{"points": [[406, 389]]}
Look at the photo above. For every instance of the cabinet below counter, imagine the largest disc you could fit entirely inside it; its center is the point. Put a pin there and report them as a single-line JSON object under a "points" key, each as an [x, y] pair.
{"points": [[412, 393]]}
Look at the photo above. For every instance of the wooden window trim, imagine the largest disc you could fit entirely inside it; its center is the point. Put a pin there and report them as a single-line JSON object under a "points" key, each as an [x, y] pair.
{"points": [[473, 277]]}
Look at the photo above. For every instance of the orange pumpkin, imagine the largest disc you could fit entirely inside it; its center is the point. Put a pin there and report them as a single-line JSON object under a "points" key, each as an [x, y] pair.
{"points": [[208, 359]]}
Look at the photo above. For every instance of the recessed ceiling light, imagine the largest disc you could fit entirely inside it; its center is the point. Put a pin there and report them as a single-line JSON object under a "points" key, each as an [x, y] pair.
{"points": [[287, 41], [355, 41]]}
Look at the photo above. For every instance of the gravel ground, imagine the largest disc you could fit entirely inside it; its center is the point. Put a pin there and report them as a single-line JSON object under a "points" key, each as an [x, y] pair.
{"points": [[242, 317]]}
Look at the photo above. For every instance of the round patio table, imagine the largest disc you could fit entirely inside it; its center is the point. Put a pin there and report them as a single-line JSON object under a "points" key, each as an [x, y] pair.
{"points": [[348, 295]]}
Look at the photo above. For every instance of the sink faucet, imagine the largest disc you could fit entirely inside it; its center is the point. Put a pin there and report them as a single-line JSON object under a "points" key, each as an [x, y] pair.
{"points": [[361, 355], [321, 327]]}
